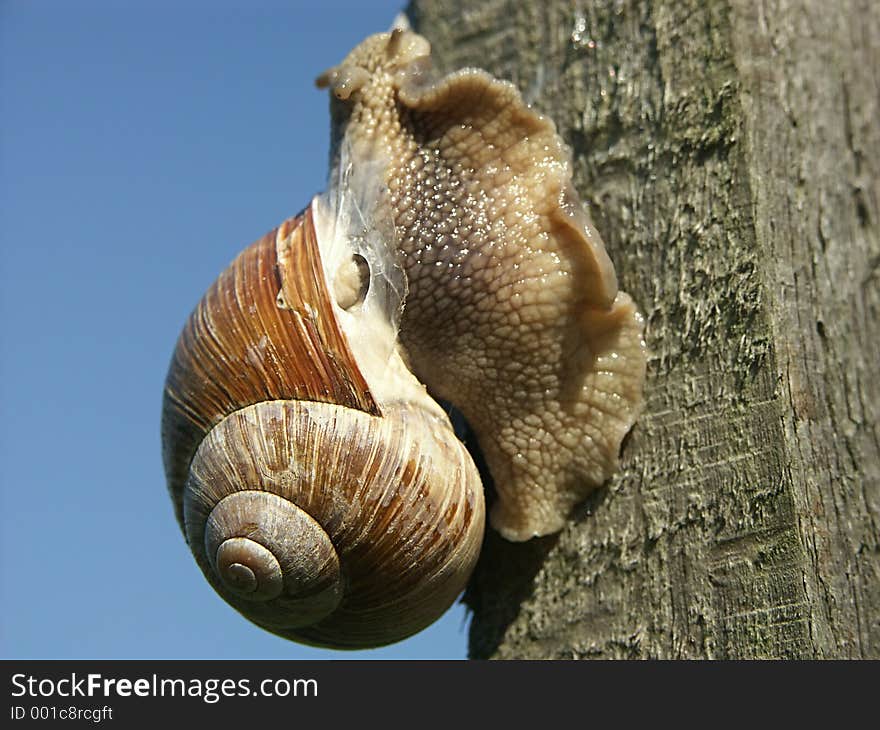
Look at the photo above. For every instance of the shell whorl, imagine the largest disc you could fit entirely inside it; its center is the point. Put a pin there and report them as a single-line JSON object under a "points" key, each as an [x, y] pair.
{"points": [[262, 546], [392, 514], [322, 492]]}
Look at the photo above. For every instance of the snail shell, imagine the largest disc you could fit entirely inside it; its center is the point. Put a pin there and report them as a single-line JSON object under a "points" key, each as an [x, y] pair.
{"points": [[322, 491]]}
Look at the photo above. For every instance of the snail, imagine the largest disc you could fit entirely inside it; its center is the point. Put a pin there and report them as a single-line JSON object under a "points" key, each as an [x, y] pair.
{"points": [[319, 484]]}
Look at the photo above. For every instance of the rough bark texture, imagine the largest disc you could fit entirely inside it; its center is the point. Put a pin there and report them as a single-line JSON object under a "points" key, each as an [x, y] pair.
{"points": [[729, 153]]}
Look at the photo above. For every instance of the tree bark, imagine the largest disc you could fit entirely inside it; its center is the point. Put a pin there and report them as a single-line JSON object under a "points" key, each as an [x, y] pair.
{"points": [[728, 151]]}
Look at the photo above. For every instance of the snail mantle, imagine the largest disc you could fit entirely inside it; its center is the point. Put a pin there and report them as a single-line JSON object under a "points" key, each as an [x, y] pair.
{"points": [[320, 487]]}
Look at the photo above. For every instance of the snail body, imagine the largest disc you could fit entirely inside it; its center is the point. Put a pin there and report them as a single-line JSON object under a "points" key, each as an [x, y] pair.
{"points": [[320, 487], [513, 312]]}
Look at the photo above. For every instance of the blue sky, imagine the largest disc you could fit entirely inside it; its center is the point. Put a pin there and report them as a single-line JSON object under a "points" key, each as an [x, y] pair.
{"points": [[142, 145]]}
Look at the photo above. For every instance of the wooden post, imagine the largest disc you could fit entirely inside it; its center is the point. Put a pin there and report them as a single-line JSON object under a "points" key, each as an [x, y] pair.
{"points": [[729, 151]]}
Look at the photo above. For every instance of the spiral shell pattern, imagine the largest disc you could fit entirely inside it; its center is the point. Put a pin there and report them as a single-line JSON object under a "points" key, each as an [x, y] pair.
{"points": [[318, 512]]}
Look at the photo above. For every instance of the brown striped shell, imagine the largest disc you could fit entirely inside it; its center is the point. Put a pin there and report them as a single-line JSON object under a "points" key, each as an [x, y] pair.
{"points": [[325, 508]]}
